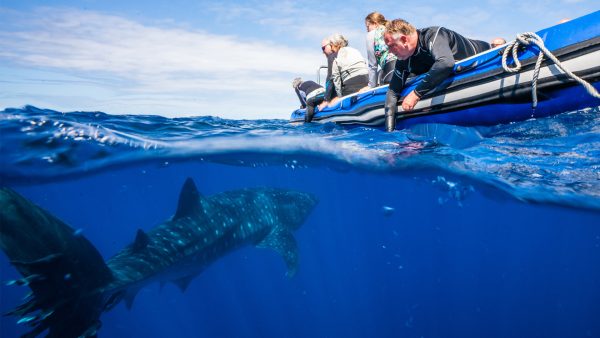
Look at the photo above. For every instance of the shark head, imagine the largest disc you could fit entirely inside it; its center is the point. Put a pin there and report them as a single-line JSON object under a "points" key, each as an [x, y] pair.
{"points": [[294, 207]]}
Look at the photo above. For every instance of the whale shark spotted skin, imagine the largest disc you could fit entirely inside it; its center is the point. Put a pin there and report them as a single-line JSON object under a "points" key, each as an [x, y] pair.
{"points": [[71, 284]]}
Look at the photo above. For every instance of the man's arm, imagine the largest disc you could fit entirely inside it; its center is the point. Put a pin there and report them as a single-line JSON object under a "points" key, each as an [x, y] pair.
{"points": [[399, 77], [329, 90], [393, 93], [443, 65], [330, 58], [301, 97]]}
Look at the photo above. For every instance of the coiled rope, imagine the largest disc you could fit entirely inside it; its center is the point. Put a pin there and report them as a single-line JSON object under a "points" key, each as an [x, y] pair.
{"points": [[529, 38]]}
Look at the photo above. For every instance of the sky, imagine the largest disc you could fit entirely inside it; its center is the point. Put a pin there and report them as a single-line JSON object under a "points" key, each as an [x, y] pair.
{"points": [[231, 59]]}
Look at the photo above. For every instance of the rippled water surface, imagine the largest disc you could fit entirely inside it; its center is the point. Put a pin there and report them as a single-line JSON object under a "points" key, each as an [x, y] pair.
{"points": [[554, 159]]}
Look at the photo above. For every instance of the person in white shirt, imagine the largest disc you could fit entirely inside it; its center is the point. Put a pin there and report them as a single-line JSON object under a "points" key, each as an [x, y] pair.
{"points": [[349, 70]]}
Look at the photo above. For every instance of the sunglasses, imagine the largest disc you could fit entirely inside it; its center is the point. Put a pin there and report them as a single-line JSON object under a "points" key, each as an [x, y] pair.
{"points": [[323, 47]]}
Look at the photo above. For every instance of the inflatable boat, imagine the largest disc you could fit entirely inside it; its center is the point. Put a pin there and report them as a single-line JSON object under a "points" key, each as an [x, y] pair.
{"points": [[482, 92]]}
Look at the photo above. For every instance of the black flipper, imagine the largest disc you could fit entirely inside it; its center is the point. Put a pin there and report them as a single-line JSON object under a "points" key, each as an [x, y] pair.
{"points": [[62, 268]]}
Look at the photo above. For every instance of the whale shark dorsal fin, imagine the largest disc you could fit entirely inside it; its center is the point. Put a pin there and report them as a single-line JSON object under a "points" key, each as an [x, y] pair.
{"points": [[141, 240], [189, 200], [282, 240]]}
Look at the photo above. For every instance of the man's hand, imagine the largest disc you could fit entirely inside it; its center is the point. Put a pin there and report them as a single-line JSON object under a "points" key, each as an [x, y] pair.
{"points": [[410, 101]]}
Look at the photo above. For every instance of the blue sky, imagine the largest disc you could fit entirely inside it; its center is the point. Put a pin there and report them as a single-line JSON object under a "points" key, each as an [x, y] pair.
{"points": [[233, 59]]}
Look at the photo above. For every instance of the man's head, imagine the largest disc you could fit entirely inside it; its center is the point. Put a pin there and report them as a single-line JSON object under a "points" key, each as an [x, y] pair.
{"points": [[326, 46], [497, 42], [401, 38]]}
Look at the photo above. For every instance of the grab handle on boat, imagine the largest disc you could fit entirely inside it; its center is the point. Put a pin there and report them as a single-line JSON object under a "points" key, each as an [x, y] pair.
{"points": [[461, 68], [319, 73]]}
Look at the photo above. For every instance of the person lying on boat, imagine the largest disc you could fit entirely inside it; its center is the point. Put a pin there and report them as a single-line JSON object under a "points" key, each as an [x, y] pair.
{"points": [[381, 62], [349, 70], [431, 51], [310, 94], [330, 55]]}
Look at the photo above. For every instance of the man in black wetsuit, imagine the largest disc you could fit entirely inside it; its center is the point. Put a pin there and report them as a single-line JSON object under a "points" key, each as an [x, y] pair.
{"points": [[431, 51]]}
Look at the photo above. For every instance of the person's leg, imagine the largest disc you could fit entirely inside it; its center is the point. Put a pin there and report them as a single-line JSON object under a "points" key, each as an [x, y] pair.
{"points": [[391, 108], [354, 84], [310, 107], [310, 112]]}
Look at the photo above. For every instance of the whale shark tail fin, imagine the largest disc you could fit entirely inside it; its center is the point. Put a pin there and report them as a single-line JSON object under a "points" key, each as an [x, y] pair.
{"points": [[65, 272]]}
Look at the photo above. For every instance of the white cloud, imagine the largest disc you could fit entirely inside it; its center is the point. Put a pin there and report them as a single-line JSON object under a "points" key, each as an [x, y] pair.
{"points": [[168, 61], [308, 22]]}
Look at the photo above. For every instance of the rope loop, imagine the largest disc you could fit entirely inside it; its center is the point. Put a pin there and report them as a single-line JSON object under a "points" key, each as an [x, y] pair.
{"points": [[532, 39]]}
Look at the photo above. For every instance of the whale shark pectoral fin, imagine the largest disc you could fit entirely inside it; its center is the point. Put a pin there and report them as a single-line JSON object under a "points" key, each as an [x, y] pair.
{"points": [[282, 240], [141, 241], [129, 297], [189, 200], [184, 282]]}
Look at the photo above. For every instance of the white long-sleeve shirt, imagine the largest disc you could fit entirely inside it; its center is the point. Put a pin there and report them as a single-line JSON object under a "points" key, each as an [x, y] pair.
{"points": [[371, 59], [348, 64]]}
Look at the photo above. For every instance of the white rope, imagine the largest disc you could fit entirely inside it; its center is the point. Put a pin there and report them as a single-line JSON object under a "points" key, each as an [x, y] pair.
{"points": [[529, 38]]}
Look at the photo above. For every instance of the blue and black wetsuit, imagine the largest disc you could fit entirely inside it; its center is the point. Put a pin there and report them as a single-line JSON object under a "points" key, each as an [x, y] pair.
{"points": [[329, 87], [310, 95], [438, 49]]}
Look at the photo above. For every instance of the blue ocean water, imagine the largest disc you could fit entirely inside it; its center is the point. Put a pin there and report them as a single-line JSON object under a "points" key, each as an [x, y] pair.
{"points": [[436, 231]]}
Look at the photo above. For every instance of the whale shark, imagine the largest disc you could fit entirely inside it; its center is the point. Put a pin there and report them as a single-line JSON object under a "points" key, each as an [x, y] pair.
{"points": [[71, 285]]}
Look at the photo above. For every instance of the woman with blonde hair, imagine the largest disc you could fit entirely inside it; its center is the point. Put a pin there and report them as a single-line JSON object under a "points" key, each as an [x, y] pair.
{"points": [[381, 61]]}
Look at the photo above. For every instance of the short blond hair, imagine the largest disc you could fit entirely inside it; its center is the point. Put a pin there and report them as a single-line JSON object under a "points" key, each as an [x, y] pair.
{"points": [[399, 26]]}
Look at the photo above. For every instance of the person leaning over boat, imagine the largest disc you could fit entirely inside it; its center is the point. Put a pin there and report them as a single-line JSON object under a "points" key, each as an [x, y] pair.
{"points": [[349, 70], [310, 94], [431, 51], [381, 62]]}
